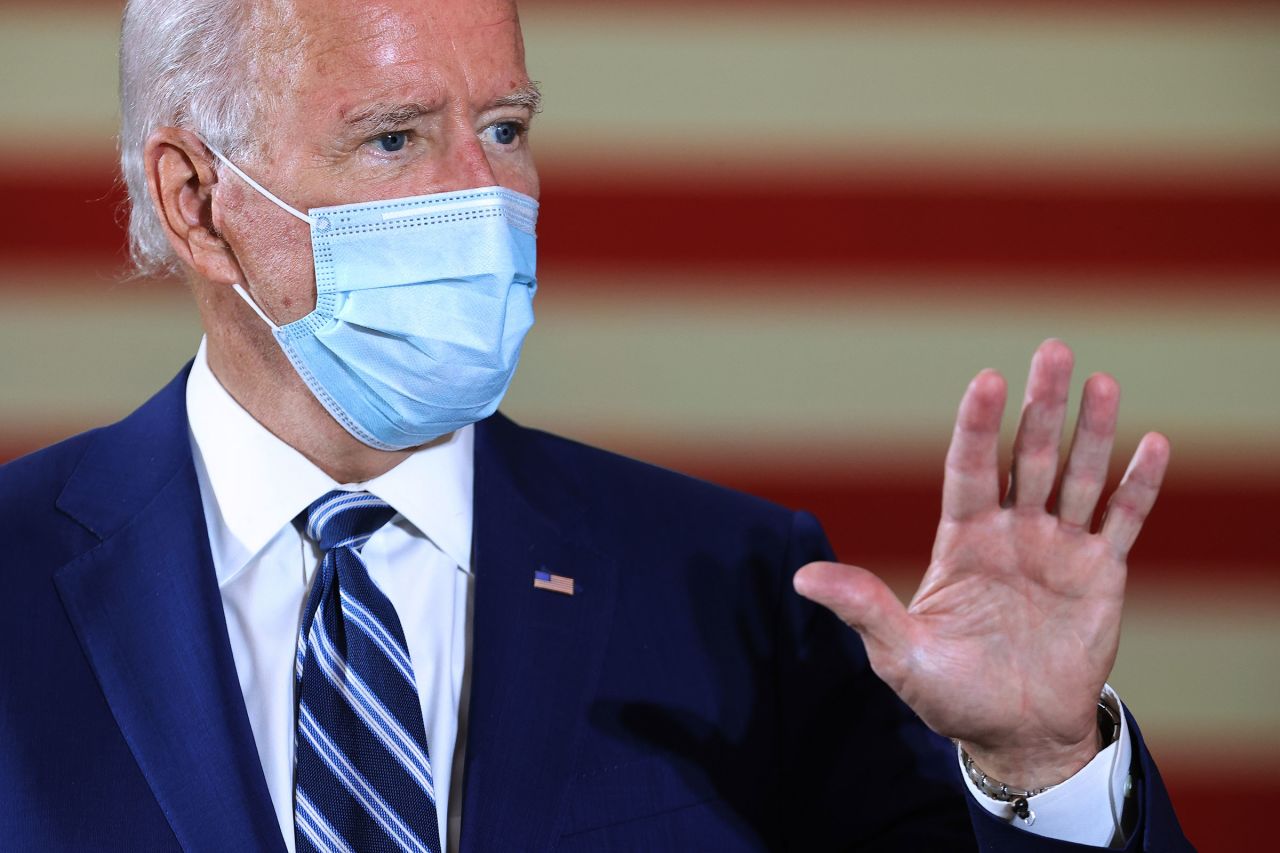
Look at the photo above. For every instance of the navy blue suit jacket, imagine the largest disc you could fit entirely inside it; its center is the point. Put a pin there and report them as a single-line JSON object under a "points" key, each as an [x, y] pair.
{"points": [[683, 699]]}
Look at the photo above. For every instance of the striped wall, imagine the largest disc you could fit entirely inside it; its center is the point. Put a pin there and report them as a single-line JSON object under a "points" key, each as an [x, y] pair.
{"points": [[779, 237]]}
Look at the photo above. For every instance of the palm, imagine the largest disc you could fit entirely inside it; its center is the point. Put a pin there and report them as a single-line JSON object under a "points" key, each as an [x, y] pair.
{"points": [[1011, 603], [1015, 626]]}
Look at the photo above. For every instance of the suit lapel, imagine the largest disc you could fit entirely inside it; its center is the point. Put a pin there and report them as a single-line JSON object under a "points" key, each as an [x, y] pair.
{"points": [[536, 654], [147, 610]]}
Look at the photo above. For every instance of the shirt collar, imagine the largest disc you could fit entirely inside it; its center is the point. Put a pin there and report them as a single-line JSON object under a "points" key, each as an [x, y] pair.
{"points": [[253, 484]]}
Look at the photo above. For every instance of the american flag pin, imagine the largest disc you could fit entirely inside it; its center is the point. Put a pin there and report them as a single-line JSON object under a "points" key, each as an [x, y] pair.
{"points": [[555, 583]]}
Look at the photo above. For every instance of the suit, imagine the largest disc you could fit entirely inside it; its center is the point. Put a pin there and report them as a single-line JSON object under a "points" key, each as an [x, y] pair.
{"points": [[684, 698]]}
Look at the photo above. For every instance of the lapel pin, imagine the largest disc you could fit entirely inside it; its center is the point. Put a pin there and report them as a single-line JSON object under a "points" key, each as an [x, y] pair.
{"points": [[554, 583]]}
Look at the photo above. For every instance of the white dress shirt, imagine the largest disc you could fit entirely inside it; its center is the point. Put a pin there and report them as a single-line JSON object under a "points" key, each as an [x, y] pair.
{"points": [[253, 485]]}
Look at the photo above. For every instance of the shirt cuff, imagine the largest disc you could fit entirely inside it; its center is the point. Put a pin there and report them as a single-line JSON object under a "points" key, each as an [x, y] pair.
{"points": [[1085, 809]]}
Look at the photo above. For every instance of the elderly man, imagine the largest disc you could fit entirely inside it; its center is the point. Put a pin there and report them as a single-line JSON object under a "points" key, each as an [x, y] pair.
{"points": [[316, 595]]}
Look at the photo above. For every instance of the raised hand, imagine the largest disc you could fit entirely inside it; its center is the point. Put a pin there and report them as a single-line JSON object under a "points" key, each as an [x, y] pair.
{"points": [[1014, 629]]}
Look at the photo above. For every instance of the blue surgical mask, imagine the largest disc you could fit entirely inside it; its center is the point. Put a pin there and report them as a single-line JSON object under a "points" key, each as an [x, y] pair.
{"points": [[422, 305]]}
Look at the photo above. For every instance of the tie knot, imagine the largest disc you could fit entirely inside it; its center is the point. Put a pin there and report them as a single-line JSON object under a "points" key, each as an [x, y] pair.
{"points": [[346, 519]]}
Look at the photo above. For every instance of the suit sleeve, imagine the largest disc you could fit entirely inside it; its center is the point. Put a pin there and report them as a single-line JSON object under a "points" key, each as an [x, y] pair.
{"points": [[862, 772]]}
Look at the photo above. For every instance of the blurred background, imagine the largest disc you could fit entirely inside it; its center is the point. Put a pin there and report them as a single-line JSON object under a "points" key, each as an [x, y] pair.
{"points": [[777, 240]]}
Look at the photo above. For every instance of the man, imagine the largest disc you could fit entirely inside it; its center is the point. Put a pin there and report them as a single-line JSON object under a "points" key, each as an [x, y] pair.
{"points": [[298, 601]]}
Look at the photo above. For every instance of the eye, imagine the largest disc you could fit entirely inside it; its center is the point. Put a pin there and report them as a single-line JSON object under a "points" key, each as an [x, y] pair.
{"points": [[392, 142], [505, 133]]}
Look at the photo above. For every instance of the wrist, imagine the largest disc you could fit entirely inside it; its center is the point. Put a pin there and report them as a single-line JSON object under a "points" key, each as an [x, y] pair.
{"points": [[1032, 770], [1029, 771]]}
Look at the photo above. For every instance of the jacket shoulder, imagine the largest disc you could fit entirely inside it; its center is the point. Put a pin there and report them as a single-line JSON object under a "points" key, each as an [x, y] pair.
{"points": [[603, 476], [34, 481], [41, 536], [642, 508]]}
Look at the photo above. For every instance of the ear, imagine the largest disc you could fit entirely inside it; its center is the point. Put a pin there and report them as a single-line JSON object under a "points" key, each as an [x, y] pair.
{"points": [[180, 179]]}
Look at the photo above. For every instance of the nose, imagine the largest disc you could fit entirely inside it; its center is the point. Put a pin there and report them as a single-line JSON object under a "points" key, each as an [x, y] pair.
{"points": [[465, 163]]}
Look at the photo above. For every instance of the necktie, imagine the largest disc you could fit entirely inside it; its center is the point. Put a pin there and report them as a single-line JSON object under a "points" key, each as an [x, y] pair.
{"points": [[362, 774]]}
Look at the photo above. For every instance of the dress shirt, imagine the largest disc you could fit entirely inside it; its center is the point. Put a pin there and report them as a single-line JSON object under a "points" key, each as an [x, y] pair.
{"points": [[252, 486]]}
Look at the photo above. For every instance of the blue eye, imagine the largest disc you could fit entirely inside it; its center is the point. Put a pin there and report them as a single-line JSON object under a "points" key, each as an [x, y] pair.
{"points": [[505, 132], [392, 142]]}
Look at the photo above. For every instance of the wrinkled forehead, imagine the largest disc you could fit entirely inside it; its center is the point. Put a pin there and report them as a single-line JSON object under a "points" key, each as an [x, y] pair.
{"points": [[333, 40]]}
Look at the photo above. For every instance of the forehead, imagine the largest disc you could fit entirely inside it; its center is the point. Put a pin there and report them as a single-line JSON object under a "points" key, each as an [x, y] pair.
{"points": [[350, 45]]}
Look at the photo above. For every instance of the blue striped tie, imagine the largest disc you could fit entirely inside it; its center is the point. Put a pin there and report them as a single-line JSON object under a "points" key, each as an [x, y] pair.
{"points": [[362, 777]]}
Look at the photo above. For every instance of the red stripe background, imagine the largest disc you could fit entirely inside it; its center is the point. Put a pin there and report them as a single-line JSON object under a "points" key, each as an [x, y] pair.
{"points": [[949, 226]]}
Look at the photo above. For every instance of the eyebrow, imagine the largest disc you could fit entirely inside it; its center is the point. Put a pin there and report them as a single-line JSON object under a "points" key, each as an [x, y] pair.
{"points": [[527, 96], [382, 118]]}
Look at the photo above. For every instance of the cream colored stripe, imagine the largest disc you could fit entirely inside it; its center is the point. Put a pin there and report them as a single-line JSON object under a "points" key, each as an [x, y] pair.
{"points": [[939, 84], [1201, 669], [714, 85], [680, 370], [861, 373], [73, 360], [59, 67]]}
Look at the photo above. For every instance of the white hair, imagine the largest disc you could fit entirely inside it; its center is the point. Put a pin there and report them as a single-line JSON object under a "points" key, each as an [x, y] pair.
{"points": [[185, 64]]}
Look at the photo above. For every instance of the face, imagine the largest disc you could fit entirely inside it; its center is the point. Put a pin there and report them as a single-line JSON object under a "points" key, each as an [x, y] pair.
{"points": [[367, 101]]}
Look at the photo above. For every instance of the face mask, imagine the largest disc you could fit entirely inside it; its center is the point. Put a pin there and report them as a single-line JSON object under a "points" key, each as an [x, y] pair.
{"points": [[422, 305]]}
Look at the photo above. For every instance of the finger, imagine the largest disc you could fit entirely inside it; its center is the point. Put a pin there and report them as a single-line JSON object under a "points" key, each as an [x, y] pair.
{"points": [[1136, 493], [861, 600], [1086, 471], [1044, 410], [972, 482]]}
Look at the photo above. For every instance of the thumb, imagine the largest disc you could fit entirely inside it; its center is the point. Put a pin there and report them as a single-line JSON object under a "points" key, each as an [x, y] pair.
{"points": [[861, 600]]}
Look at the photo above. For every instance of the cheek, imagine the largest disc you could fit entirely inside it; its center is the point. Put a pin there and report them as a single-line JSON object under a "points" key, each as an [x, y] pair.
{"points": [[274, 253], [518, 174], [287, 279]]}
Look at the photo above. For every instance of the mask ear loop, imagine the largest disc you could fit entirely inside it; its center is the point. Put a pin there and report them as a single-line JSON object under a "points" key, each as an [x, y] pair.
{"points": [[266, 193], [245, 296], [269, 196]]}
